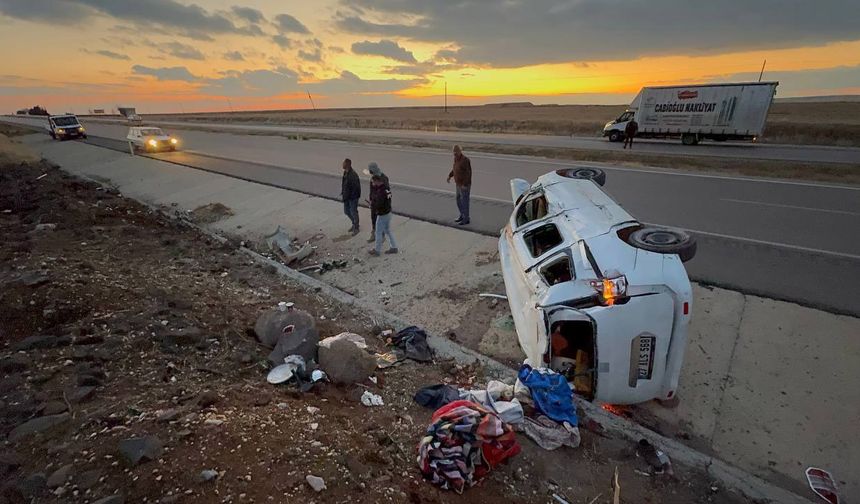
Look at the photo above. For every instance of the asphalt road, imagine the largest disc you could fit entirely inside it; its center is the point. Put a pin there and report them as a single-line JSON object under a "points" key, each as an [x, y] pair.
{"points": [[747, 150], [787, 240]]}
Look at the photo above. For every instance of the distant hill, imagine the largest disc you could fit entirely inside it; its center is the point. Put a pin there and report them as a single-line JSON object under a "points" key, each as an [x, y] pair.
{"points": [[820, 99]]}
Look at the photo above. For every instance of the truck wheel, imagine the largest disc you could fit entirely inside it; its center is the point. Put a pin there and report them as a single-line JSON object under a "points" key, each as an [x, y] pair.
{"points": [[689, 139], [615, 136], [664, 241], [596, 175]]}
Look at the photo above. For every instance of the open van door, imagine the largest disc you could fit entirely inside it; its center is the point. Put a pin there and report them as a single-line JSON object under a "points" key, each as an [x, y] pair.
{"points": [[632, 342], [572, 351]]}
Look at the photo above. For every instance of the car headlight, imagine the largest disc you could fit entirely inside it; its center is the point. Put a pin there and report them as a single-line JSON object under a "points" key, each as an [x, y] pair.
{"points": [[153, 143], [610, 290], [174, 141], [81, 129], [60, 132]]}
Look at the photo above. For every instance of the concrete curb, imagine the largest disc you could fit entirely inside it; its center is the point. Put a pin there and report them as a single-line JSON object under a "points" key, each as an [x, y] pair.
{"points": [[729, 477]]}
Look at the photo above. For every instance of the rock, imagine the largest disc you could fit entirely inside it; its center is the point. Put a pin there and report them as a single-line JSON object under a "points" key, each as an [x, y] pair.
{"points": [[9, 461], [208, 398], [168, 415], [34, 342], [47, 226], [298, 342], [141, 449], [169, 499], [215, 422], [344, 362], [88, 479], [271, 323], [89, 381], [15, 363], [60, 476], [37, 426], [113, 499], [89, 339], [33, 484], [188, 336], [54, 408], [208, 475], [262, 400], [80, 394], [315, 482]]}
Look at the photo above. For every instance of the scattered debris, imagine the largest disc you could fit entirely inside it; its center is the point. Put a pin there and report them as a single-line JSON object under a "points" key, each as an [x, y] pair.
{"points": [[436, 396], [655, 457], [281, 244], [368, 398], [411, 342], [822, 483], [141, 449], [213, 212], [286, 371], [494, 296], [315, 482], [208, 475], [344, 359]]}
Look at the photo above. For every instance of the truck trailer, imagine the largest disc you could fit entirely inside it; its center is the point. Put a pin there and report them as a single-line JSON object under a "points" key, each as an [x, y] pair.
{"points": [[719, 112]]}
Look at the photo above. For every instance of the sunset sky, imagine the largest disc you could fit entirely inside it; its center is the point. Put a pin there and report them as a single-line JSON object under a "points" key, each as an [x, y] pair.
{"points": [[175, 55]]}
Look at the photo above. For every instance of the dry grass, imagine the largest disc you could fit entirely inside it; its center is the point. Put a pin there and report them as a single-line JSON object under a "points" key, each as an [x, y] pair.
{"points": [[828, 123]]}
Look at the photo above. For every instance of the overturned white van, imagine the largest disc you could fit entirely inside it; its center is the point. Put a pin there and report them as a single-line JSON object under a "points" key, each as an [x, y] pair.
{"points": [[595, 294]]}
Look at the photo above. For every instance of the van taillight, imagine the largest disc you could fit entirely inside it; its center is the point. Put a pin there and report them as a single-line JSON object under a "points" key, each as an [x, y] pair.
{"points": [[686, 308]]}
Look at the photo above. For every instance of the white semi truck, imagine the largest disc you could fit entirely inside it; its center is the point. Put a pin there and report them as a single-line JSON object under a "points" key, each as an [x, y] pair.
{"points": [[718, 112]]}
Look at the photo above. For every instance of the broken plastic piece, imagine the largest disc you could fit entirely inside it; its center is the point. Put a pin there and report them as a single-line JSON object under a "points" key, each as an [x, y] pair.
{"points": [[286, 371], [822, 483]]}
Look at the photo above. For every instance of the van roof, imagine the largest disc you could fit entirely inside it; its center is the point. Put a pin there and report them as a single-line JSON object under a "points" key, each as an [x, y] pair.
{"points": [[588, 211]]}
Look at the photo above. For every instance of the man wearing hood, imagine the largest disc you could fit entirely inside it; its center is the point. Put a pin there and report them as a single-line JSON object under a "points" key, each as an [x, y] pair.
{"points": [[374, 171], [350, 192]]}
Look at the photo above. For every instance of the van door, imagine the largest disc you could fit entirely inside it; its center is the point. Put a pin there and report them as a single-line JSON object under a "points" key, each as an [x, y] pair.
{"points": [[572, 351], [632, 344]]}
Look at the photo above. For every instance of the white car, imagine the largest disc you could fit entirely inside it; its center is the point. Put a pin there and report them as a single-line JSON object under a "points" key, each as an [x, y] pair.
{"points": [[595, 294], [151, 139]]}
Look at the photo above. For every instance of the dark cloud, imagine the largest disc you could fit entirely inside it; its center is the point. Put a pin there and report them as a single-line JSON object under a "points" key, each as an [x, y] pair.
{"points": [[253, 83], [385, 48], [182, 51], [519, 32], [282, 41], [50, 11], [177, 73], [234, 56], [802, 82], [289, 24], [188, 20], [349, 83], [249, 14], [421, 68], [110, 54], [312, 55]]}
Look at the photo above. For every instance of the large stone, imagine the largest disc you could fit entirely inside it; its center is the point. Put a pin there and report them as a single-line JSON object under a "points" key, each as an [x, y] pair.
{"points": [[88, 479], [141, 449], [208, 398], [299, 342], [60, 476], [34, 342], [113, 499], [37, 426], [33, 485], [15, 363], [80, 394], [344, 362], [54, 408], [270, 325], [9, 461]]}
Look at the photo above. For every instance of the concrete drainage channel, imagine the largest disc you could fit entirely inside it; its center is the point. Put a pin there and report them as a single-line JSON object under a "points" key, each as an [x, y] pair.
{"points": [[728, 476]]}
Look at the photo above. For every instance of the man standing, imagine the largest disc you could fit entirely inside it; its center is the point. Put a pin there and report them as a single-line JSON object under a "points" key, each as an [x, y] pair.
{"points": [[374, 171], [350, 192], [630, 132], [380, 204], [462, 175]]}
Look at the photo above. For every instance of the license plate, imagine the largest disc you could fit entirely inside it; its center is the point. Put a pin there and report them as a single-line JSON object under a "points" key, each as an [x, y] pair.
{"points": [[641, 358]]}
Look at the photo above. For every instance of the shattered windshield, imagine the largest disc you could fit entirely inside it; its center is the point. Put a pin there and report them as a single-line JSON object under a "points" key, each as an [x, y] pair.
{"points": [[66, 121]]}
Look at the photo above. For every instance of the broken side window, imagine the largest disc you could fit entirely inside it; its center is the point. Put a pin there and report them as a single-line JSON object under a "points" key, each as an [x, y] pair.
{"points": [[534, 208], [542, 239], [557, 270]]}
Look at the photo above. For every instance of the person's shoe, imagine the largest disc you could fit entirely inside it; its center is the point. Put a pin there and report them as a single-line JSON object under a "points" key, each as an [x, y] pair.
{"points": [[463, 222], [373, 252], [458, 220], [355, 231], [392, 251], [371, 239]]}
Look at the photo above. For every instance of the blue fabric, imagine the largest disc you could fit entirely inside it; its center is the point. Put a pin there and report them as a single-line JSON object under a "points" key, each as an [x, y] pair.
{"points": [[550, 392], [350, 209], [463, 201], [383, 229]]}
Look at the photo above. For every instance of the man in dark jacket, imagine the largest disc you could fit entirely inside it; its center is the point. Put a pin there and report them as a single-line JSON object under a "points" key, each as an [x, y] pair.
{"points": [[462, 175], [380, 203], [629, 132], [350, 192], [374, 171]]}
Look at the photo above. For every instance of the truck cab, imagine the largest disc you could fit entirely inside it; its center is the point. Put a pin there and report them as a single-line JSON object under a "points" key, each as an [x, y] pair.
{"points": [[62, 127], [615, 129]]}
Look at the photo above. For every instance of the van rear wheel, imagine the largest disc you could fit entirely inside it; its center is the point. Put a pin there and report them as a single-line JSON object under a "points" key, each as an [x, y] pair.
{"points": [[689, 139], [596, 175], [664, 241]]}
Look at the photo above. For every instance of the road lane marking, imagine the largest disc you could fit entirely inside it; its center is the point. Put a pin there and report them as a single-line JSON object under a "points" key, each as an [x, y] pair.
{"points": [[795, 207]]}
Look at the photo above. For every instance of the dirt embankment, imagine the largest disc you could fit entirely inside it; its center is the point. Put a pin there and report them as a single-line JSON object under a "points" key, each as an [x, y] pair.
{"points": [[117, 323]]}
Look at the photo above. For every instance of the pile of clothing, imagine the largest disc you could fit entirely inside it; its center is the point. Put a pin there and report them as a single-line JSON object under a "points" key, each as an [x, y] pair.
{"points": [[554, 423], [463, 443]]}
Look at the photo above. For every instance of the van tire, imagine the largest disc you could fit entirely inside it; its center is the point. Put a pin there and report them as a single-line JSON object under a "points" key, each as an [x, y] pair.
{"points": [[664, 241], [596, 175], [616, 136], [689, 139]]}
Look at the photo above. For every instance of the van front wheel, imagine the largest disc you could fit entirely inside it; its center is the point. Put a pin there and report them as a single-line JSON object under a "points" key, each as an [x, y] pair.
{"points": [[615, 136]]}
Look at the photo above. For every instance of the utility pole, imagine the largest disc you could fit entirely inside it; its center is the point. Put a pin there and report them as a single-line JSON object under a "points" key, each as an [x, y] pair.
{"points": [[446, 97], [312, 101], [762, 69]]}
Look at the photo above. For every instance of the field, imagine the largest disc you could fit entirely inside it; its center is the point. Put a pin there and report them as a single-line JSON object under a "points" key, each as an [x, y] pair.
{"points": [[817, 123]]}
